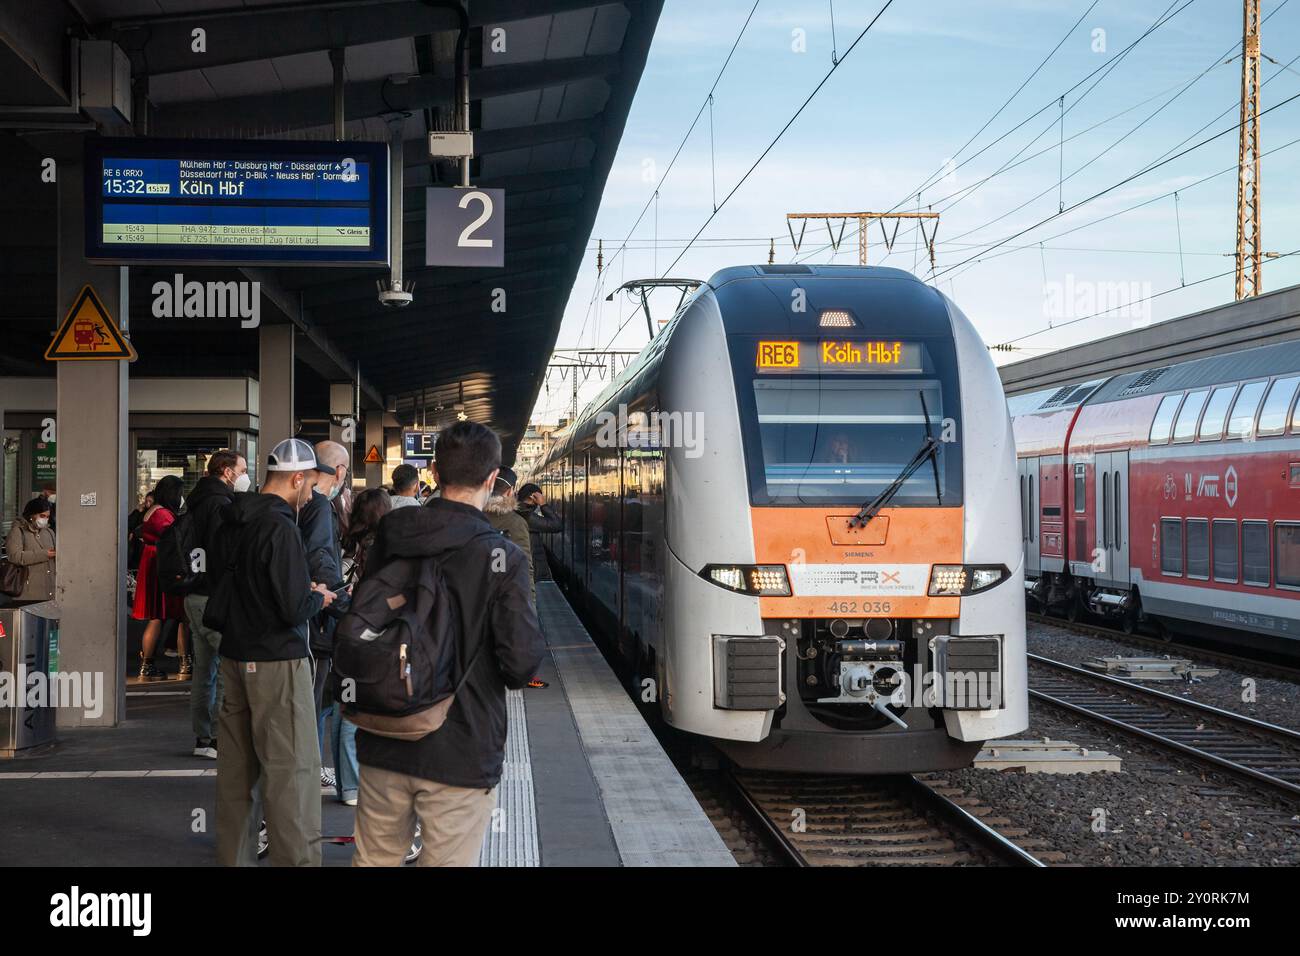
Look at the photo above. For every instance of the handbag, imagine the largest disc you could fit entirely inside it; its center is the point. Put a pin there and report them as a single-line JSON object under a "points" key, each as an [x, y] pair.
{"points": [[13, 578]]}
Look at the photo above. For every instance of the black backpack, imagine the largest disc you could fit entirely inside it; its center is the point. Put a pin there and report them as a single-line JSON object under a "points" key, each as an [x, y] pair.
{"points": [[177, 555], [397, 668]]}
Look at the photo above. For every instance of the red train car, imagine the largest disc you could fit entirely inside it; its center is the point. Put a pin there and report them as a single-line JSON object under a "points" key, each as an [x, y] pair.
{"points": [[1169, 495]]}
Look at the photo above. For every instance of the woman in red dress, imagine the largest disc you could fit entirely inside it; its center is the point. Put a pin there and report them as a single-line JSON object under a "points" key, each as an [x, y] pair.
{"points": [[152, 603]]}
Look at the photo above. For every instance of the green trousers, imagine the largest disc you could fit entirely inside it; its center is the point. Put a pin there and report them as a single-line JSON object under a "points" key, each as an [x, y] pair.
{"points": [[268, 763]]}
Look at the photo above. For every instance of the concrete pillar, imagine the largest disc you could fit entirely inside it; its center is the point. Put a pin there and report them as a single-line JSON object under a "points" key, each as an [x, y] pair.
{"points": [[275, 390], [374, 439], [93, 483], [342, 396]]}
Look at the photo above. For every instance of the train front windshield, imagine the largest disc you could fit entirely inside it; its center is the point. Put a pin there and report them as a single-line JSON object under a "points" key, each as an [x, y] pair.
{"points": [[834, 422]]}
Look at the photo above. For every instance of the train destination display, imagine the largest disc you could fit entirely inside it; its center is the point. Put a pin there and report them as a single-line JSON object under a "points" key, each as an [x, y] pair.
{"points": [[264, 202], [838, 355]]}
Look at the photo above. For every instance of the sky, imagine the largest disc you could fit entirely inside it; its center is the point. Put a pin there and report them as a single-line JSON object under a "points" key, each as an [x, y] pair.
{"points": [[906, 111]]}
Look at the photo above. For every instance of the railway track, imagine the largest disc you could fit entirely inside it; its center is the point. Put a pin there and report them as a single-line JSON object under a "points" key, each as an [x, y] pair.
{"points": [[1242, 746], [872, 821], [1209, 654]]}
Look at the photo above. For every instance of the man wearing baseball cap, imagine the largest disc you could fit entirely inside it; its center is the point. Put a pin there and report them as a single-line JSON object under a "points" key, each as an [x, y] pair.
{"points": [[261, 603]]}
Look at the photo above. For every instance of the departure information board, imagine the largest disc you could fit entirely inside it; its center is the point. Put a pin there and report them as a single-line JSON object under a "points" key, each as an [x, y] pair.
{"points": [[242, 201]]}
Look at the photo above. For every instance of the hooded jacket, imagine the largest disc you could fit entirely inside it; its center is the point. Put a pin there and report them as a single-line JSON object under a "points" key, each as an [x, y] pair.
{"points": [[512, 524], [262, 598], [487, 579], [204, 504]]}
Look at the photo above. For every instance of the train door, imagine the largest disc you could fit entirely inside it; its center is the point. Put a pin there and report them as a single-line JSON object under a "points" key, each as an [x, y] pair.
{"points": [[1030, 507], [1111, 539]]}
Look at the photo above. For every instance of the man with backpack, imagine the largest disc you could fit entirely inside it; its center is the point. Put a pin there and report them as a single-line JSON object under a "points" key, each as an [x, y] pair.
{"points": [[261, 603], [197, 527], [446, 779]]}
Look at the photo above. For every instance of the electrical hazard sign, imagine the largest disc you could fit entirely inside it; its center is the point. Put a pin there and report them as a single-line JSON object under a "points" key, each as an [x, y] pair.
{"points": [[373, 457], [89, 332]]}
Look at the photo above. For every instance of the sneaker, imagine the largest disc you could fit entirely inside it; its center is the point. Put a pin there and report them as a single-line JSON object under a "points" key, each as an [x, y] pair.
{"points": [[263, 841], [187, 667], [417, 847], [328, 785], [205, 747], [349, 798], [537, 683], [149, 671]]}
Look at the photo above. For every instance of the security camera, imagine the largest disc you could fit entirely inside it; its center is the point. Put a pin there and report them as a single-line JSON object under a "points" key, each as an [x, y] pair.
{"points": [[393, 296]]}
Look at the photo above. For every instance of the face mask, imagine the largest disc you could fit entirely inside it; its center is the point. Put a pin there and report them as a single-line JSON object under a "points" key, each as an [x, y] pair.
{"points": [[42, 522], [334, 492], [242, 482], [51, 499]]}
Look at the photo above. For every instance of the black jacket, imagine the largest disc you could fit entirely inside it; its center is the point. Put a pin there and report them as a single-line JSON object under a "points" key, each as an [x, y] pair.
{"points": [[204, 503], [318, 525], [262, 601], [541, 520], [490, 589]]}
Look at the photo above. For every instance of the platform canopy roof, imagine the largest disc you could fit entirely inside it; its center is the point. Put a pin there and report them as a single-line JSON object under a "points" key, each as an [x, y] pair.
{"points": [[549, 100]]}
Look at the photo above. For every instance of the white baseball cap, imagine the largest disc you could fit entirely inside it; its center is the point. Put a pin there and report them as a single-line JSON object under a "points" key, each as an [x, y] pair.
{"points": [[294, 454]]}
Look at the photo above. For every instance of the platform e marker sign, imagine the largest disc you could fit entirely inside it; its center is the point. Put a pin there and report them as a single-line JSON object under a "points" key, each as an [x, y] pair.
{"points": [[88, 332]]}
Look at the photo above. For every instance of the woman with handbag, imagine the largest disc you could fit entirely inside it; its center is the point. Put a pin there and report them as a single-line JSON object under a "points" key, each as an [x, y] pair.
{"points": [[28, 574]]}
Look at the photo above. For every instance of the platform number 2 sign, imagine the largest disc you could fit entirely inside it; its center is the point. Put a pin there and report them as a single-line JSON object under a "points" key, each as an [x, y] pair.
{"points": [[465, 227]]}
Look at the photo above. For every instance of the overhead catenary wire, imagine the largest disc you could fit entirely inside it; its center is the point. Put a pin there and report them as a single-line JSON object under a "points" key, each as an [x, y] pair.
{"points": [[598, 286], [770, 146]]}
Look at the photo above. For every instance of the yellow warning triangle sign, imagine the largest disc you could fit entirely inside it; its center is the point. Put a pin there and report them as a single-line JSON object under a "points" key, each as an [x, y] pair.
{"points": [[372, 456], [89, 332]]}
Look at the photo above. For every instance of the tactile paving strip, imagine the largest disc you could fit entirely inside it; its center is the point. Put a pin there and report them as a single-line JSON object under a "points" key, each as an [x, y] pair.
{"points": [[511, 839]]}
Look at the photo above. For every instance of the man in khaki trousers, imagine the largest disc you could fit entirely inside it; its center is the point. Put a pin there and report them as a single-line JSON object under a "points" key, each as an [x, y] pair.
{"points": [[447, 780], [268, 764]]}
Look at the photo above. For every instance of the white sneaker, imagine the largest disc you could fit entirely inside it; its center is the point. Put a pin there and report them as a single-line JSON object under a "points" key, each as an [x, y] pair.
{"points": [[205, 748], [328, 785], [417, 847]]}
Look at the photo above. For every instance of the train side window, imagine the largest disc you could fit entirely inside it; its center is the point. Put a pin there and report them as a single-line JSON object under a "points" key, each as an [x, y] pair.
{"points": [[1216, 413], [1080, 488], [1241, 424], [1171, 546], [1119, 519], [1164, 420], [1254, 553], [1024, 512], [1189, 415], [1198, 548], [1272, 417], [1103, 518], [1286, 554], [1225, 550], [1033, 515]]}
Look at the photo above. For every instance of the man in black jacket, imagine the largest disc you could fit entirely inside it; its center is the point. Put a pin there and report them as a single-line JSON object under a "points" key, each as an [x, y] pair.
{"points": [[541, 520], [261, 603], [318, 524], [447, 780], [227, 474]]}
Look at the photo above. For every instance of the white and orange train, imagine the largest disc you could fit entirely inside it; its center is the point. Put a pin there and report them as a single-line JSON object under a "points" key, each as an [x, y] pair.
{"points": [[795, 517]]}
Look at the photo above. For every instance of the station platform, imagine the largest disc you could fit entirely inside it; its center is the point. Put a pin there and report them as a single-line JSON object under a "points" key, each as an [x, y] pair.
{"points": [[585, 783]]}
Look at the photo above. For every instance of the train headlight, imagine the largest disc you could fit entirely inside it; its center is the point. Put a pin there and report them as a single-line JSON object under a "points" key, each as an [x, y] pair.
{"points": [[759, 579], [955, 580]]}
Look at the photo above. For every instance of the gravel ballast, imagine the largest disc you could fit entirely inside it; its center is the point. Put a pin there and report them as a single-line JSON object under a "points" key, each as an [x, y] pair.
{"points": [[1277, 699], [1161, 810]]}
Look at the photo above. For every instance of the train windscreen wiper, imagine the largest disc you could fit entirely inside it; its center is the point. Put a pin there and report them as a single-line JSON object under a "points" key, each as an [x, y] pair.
{"points": [[929, 449]]}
